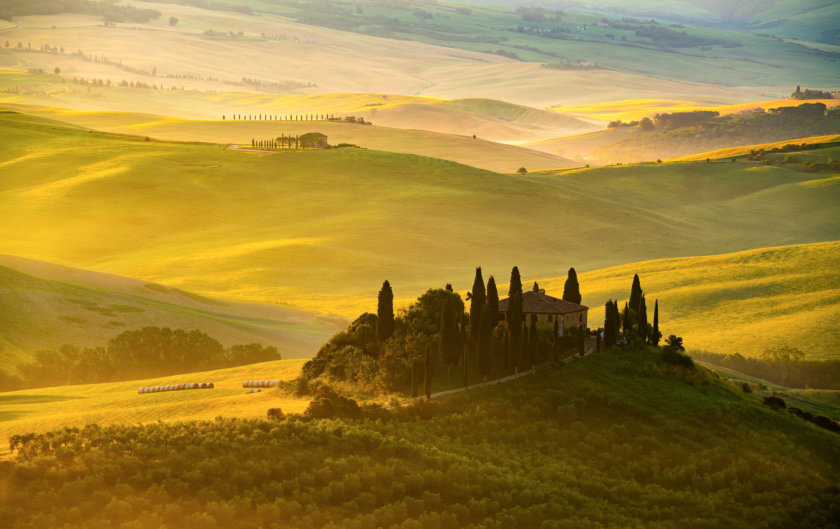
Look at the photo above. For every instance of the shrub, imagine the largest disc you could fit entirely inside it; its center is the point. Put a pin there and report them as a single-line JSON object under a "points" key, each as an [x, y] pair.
{"points": [[774, 402], [329, 405], [676, 358], [275, 413], [746, 387], [522, 170]]}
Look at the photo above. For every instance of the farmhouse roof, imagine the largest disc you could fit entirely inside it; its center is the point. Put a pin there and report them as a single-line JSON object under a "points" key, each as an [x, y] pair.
{"points": [[540, 303]]}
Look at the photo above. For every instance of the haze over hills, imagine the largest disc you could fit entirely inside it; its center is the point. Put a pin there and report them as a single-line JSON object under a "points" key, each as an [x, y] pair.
{"points": [[46, 306], [304, 219]]}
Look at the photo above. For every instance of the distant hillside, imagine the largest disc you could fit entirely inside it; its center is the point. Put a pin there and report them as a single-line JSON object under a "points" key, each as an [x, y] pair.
{"points": [[614, 440], [688, 132], [477, 152], [745, 302], [44, 306], [322, 229]]}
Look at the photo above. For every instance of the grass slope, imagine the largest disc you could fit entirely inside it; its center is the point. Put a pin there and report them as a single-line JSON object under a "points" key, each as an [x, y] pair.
{"points": [[323, 229], [45, 306], [42, 409], [458, 148], [614, 440], [744, 302]]}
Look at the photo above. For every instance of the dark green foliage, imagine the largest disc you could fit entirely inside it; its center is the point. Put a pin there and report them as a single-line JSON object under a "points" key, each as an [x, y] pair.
{"points": [[642, 325], [673, 353], [746, 387], [612, 323], [655, 335], [555, 346], [477, 299], [515, 316], [774, 402], [568, 448], [449, 337], [385, 312], [635, 293], [427, 373], [485, 358], [251, 353], [464, 349], [493, 302], [571, 289], [328, 405], [677, 120], [626, 321]]}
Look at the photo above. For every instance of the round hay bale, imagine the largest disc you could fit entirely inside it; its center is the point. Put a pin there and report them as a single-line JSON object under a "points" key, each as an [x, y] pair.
{"points": [[210, 385]]}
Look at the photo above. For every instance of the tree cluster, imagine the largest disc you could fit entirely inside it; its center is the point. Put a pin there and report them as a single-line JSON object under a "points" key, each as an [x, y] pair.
{"points": [[109, 11], [131, 355], [811, 94]]}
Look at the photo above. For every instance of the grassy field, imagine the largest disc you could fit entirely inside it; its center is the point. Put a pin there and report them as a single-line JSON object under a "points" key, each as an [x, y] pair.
{"points": [[465, 64], [614, 440], [477, 152], [744, 302], [45, 306], [43, 409], [305, 221]]}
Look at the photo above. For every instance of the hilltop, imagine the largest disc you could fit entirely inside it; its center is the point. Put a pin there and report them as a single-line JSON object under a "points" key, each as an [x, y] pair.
{"points": [[308, 214], [606, 441], [745, 302]]}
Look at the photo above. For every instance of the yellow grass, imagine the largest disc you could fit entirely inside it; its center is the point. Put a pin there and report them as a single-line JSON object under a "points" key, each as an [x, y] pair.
{"points": [[744, 150], [744, 302], [636, 109], [44, 409]]}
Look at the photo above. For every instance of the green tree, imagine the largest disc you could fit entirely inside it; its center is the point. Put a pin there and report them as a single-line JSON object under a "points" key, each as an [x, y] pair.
{"points": [[173, 21], [626, 326], [463, 349], [427, 371], [610, 323], [385, 312], [484, 344], [478, 298], [449, 335], [493, 302], [555, 345], [655, 335], [514, 317], [642, 320], [571, 289], [635, 293], [533, 339]]}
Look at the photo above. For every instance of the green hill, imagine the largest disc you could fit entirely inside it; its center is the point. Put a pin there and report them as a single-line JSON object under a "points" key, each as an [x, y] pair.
{"points": [[323, 229], [614, 440], [44, 306], [745, 302]]}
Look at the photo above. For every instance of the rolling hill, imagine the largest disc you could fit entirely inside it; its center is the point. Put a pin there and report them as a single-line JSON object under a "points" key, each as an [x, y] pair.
{"points": [[744, 302], [304, 219], [478, 152], [37, 410], [616, 439], [45, 306]]}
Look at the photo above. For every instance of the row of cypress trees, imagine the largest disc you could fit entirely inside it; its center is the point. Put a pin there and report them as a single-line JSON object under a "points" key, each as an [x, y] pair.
{"points": [[478, 331], [632, 322]]}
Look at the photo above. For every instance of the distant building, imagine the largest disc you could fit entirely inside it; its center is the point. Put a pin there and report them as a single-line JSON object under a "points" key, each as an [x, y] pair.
{"points": [[548, 309], [314, 140]]}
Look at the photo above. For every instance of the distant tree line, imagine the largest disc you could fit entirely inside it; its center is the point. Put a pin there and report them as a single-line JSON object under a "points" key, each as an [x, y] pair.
{"points": [[785, 366], [143, 353], [109, 11]]}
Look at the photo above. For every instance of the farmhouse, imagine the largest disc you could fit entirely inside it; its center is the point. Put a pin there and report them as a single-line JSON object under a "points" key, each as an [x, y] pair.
{"points": [[548, 309], [313, 140]]}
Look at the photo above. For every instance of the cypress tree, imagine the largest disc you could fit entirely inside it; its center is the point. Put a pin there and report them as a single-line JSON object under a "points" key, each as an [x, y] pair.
{"points": [[493, 302], [536, 287], [655, 336], [643, 321], [571, 289], [514, 317], [627, 327], [532, 342], [611, 323], [477, 302], [385, 312], [427, 382], [462, 349], [449, 335], [635, 293], [523, 344], [484, 344]]}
